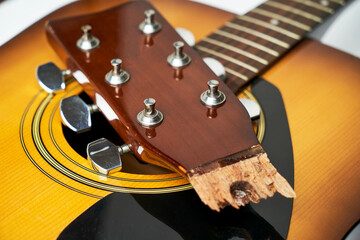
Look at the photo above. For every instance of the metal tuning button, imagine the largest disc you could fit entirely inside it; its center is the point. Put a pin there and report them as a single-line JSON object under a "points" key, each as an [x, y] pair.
{"points": [[178, 58], [104, 156], [149, 25], [76, 114], [87, 40], [186, 35], [251, 107], [150, 116], [51, 78], [216, 67], [212, 97], [117, 76]]}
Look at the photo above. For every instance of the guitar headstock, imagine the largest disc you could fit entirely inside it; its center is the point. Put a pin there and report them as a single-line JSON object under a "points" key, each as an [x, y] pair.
{"points": [[126, 67], [129, 62]]}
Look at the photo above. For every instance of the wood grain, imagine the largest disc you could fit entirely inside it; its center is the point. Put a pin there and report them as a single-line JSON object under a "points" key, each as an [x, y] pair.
{"points": [[152, 77], [320, 89], [31, 200]]}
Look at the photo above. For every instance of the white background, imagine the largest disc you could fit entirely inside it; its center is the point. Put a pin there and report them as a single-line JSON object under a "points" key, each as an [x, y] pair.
{"points": [[341, 31]]}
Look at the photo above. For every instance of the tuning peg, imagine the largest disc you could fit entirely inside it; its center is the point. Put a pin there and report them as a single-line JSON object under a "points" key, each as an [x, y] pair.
{"points": [[87, 40], [178, 58], [251, 107], [117, 76], [187, 36], [51, 78], [76, 114], [213, 97], [149, 25], [150, 116], [216, 67], [104, 156]]}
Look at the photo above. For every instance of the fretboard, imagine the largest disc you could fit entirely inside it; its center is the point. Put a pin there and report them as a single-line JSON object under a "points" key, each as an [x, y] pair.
{"points": [[249, 44]]}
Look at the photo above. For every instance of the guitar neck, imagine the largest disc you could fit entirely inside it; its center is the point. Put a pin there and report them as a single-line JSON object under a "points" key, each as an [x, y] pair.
{"points": [[249, 44]]}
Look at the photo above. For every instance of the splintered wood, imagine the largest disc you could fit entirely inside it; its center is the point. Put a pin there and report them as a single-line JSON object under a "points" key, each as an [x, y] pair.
{"points": [[236, 184]]}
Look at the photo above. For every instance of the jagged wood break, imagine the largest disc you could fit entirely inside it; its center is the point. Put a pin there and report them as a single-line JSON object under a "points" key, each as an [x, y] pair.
{"points": [[238, 179], [188, 138]]}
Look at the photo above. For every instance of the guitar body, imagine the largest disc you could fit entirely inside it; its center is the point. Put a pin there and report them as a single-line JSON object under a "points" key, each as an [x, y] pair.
{"points": [[319, 86]]}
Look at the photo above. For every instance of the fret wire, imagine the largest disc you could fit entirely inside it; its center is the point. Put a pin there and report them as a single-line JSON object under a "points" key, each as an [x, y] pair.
{"points": [[227, 58], [236, 74], [281, 18], [248, 42], [293, 10], [258, 34], [315, 5], [237, 50], [341, 2], [270, 26]]}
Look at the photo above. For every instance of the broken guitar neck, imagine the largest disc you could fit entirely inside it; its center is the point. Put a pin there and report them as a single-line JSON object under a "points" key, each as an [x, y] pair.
{"points": [[129, 62]]}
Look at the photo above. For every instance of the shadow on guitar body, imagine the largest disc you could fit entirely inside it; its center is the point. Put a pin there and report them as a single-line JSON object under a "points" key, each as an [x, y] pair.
{"points": [[181, 215]]}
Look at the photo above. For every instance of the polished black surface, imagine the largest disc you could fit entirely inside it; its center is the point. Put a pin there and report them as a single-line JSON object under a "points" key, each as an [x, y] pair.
{"points": [[277, 144], [182, 215]]}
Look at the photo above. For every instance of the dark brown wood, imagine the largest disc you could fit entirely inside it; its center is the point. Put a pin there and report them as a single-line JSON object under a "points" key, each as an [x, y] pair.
{"points": [[234, 81], [187, 138]]}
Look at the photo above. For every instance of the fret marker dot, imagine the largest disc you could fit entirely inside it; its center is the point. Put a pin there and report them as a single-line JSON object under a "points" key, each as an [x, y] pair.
{"points": [[274, 22], [324, 2]]}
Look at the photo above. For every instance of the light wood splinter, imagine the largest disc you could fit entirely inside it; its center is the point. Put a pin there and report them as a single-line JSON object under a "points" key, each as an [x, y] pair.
{"points": [[247, 180]]}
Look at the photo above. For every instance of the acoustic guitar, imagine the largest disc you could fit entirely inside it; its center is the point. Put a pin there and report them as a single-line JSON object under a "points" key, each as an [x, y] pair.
{"points": [[48, 184]]}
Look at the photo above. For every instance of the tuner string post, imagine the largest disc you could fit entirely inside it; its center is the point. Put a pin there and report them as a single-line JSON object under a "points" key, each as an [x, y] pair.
{"points": [[149, 16], [87, 41], [149, 106], [117, 75], [86, 32], [213, 88], [213, 97], [178, 58], [179, 49], [116, 66], [149, 25], [150, 116]]}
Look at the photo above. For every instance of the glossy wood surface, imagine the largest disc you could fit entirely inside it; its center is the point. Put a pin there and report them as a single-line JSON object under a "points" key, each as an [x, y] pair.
{"points": [[194, 136], [30, 199], [275, 25], [325, 129], [320, 89]]}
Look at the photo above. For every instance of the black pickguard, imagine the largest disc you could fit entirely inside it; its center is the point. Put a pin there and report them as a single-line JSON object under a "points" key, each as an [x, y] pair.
{"points": [[182, 215]]}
